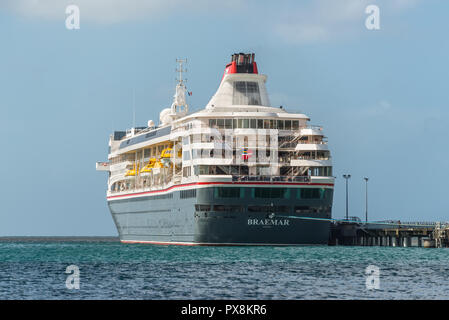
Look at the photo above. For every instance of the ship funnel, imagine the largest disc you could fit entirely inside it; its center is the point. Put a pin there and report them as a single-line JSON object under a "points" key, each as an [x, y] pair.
{"points": [[241, 63], [241, 84]]}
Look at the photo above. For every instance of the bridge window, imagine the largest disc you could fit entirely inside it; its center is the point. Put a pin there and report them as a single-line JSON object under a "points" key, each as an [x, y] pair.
{"points": [[246, 93]]}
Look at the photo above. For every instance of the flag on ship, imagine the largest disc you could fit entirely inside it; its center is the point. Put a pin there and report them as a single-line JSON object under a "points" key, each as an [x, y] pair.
{"points": [[246, 154]]}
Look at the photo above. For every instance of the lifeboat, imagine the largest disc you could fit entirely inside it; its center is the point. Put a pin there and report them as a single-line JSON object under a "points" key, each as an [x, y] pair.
{"points": [[133, 171], [166, 153], [167, 157], [149, 166]]}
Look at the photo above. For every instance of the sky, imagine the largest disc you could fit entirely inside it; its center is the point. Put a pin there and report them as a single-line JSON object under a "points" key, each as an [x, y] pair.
{"points": [[382, 95]]}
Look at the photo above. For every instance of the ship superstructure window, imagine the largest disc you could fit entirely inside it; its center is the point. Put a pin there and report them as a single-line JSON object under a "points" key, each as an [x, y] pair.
{"points": [[202, 207], [229, 208], [228, 192], [311, 193], [279, 209], [185, 194], [307, 209], [271, 193], [162, 196], [246, 93], [186, 171], [252, 124]]}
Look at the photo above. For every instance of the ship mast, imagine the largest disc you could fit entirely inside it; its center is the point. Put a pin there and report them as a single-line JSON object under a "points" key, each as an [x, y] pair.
{"points": [[179, 106]]}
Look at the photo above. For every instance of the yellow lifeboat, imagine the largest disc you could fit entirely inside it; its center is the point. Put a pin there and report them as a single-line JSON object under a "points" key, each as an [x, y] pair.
{"points": [[158, 165], [166, 156], [149, 166], [166, 153], [133, 171]]}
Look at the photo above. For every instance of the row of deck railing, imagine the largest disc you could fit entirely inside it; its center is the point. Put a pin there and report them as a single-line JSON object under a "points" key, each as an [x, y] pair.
{"points": [[250, 178]]}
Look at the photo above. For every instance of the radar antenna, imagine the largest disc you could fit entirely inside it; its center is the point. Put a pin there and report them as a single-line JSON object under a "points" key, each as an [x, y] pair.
{"points": [[181, 70]]}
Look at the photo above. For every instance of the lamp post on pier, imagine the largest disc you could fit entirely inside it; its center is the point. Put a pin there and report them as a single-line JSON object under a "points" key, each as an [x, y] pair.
{"points": [[347, 177], [366, 199]]}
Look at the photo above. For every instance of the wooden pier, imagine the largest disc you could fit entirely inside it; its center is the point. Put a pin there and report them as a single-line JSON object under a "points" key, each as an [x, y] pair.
{"points": [[390, 234]]}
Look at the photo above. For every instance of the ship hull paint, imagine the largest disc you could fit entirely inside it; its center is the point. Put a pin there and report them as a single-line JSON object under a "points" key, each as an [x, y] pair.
{"points": [[174, 219]]}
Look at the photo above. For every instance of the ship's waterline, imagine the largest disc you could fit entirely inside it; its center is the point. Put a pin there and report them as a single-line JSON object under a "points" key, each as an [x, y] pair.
{"points": [[235, 173]]}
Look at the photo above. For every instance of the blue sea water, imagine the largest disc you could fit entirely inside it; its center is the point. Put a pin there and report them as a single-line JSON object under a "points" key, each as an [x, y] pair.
{"points": [[111, 270]]}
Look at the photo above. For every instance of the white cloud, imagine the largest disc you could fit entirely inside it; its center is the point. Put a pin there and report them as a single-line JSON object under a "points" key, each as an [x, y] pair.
{"points": [[112, 11], [324, 20]]}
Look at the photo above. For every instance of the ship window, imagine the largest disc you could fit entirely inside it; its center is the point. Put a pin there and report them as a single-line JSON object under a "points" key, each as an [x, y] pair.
{"points": [[199, 170], [295, 125], [185, 194], [259, 208], [246, 123], [288, 124], [271, 193], [266, 124], [253, 124], [302, 209], [311, 193], [228, 123], [228, 208], [220, 123], [246, 93], [202, 207], [281, 124], [223, 192], [273, 124], [212, 123], [260, 124], [186, 171]]}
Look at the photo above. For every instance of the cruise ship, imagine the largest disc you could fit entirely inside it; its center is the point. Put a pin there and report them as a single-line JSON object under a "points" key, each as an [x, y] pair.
{"points": [[237, 172]]}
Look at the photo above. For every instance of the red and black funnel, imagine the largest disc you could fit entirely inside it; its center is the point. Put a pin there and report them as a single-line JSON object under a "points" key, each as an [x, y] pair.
{"points": [[241, 63]]}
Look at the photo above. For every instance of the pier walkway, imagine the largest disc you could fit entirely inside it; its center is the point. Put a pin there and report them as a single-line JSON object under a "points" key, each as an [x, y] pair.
{"points": [[389, 233]]}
